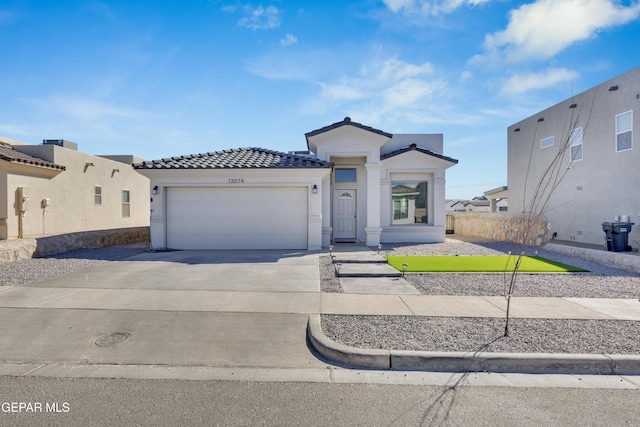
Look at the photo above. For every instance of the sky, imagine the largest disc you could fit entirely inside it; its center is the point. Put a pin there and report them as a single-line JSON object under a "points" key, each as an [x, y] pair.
{"points": [[167, 78]]}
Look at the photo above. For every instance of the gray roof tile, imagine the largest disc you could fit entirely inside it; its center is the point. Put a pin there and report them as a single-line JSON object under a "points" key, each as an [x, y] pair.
{"points": [[8, 153], [346, 122], [237, 158], [414, 147]]}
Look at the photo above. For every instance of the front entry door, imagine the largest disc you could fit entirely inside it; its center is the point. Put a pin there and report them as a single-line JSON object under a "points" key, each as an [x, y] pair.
{"points": [[344, 215]]}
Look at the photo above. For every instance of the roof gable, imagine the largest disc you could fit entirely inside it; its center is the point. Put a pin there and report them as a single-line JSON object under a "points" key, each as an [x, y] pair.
{"points": [[237, 158], [346, 122]]}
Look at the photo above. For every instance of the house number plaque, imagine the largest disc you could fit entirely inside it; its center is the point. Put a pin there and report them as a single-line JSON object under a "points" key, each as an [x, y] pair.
{"points": [[236, 180]]}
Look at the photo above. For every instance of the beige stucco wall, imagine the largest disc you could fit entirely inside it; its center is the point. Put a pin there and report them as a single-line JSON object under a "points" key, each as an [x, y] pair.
{"points": [[71, 193], [595, 189]]}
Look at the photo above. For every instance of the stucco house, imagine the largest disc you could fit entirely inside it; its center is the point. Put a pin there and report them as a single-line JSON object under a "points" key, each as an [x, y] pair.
{"points": [[599, 168], [498, 198], [354, 183], [55, 189]]}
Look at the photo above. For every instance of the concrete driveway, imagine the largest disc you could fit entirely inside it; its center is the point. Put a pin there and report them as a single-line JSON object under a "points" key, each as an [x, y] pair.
{"points": [[183, 308], [272, 271]]}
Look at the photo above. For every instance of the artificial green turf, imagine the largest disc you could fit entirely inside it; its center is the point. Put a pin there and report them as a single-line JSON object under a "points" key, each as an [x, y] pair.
{"points": [[479, 264]]}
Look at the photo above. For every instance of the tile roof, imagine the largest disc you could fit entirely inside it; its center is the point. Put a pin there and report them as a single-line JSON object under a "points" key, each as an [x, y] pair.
{"points": [[414, 147], [9, 154], [346, 122], [403, 189], [237, 158]]}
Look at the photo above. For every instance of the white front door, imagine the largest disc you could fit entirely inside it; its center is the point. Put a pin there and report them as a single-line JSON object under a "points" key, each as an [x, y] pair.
{"points": [[344, 215]]}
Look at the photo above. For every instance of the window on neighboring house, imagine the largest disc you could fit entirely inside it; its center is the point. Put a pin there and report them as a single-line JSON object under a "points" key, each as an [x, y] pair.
{"points": [[409, 202], [346, 175], [97, 195], [624, 131], [546, 142], [126, 204], [575, 141]]}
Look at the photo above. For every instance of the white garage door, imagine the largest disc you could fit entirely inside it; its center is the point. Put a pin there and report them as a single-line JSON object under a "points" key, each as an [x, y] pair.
{"points": [[237, 218]]}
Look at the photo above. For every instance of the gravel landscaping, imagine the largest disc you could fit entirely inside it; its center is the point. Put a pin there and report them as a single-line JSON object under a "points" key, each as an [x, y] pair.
{"points": [[33, 270], [485, 334]]}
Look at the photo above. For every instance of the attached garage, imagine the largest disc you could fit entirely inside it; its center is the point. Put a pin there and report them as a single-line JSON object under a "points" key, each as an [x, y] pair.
{"points": [[236, 217], [244, 198]]}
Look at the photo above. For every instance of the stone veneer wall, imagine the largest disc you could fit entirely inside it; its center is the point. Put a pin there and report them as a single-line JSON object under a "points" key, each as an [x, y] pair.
{"points": [[14, 250], [502, 227]]}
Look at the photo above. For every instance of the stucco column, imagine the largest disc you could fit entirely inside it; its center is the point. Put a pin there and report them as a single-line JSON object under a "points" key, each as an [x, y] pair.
{"points": [[438, 195], [326, 211], [494, 204], [373, 229]]}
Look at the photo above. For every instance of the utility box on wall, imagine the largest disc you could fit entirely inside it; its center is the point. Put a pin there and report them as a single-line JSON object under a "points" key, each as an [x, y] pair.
{"points": [[23, 198]]}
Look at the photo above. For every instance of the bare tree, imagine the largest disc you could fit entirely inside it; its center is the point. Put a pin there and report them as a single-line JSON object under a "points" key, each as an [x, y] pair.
{"points": [[528, 223]]}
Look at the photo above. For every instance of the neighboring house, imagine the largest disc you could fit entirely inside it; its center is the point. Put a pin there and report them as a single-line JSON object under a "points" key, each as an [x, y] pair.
{"points": [[355, 184], [456, 206], [601, 164], [499, 199], [478, 204], [54, 189]]}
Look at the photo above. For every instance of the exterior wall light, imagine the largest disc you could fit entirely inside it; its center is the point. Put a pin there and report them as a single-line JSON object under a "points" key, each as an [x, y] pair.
{"points": [[155, 190], [315, 189]]}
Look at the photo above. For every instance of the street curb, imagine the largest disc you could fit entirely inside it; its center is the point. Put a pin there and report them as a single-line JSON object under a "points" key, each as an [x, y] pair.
{"points": [[525, 363], [344, 354]]}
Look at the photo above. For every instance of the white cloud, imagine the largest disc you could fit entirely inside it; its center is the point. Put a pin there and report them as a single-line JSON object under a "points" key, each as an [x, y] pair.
{"points": [[383, 91], [260, 18], [396, 5], [520, 83], [429, 7], [542, 29], [288, 40], [83, 108]]}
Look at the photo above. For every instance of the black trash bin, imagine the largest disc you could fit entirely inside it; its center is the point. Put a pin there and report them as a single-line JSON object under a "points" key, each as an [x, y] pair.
{"points": [[617, 235]]}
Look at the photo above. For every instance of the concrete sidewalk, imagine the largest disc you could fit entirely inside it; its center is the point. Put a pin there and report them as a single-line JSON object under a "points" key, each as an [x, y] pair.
{"points": [[315, 303]]}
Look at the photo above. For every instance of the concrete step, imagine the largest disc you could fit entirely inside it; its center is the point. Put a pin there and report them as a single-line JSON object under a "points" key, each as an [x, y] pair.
{"points": [[359, 258], [367, 270]]}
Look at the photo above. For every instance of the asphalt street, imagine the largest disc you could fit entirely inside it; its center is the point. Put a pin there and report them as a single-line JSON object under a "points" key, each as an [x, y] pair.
{"points": [[90, 402]]}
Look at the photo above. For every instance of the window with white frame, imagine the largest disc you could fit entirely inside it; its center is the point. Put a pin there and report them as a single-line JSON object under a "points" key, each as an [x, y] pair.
{"points": [[97, 195], [546, 142], [126, 204], [575, 142], [624, 131], [409, 202]]}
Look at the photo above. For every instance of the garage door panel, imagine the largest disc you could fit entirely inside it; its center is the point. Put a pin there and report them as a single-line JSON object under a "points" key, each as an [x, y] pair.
{"points": [[237, 218]]}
